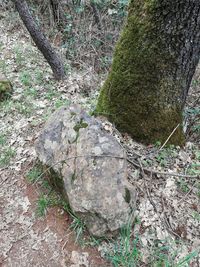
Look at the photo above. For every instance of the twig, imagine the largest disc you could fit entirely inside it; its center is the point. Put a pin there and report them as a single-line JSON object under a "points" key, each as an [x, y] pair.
{"points": [[118, 157], [165, 220], [169, 136], [185, 196], [162, 173], [147, 189]]}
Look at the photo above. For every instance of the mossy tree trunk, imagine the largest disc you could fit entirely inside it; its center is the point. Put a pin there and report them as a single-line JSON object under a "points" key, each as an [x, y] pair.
{"points": [[153, 65], [40, 40]]}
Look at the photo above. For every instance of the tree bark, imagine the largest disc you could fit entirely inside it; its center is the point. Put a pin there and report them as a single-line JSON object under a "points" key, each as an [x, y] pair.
{"points": [[153, 65], [40, 40], [58, 13]]}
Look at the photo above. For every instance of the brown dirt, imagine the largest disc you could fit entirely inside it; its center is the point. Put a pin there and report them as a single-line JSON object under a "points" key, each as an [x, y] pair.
{"points": [[25, 239]]}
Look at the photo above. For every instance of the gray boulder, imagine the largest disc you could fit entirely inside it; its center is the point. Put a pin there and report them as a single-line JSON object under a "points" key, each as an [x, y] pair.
{"points": [[92, 169]]}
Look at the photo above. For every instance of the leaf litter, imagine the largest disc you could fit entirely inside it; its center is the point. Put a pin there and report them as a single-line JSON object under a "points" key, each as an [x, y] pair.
{"points": [[167, 212]]}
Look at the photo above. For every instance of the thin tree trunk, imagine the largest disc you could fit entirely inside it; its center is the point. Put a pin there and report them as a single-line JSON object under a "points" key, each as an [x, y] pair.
{"points": [[40, 40], [96, 16], [58, 13], [153, 65]]}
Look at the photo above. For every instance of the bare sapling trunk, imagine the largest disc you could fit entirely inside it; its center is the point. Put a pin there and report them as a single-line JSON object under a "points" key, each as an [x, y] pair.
{"points": [[40, 40]]}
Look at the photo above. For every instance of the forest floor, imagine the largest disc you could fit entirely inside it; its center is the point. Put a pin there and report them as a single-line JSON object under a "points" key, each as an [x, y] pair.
{"points": [[167, 227]]}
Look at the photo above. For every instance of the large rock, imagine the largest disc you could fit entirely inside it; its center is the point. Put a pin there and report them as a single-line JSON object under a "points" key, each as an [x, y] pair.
{"points": [[92, 166]]}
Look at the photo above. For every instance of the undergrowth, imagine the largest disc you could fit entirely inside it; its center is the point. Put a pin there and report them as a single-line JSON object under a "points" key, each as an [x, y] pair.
{"points": [[125, 250]]}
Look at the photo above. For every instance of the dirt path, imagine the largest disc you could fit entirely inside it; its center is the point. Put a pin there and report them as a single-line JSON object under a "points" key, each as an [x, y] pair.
{"points": [[29, 241], [168, 210], [25, 239]]}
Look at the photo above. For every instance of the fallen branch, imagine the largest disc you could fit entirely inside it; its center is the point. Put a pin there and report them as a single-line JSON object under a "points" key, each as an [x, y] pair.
{"points": [[162, 173], [169, 136], [134, 163]]}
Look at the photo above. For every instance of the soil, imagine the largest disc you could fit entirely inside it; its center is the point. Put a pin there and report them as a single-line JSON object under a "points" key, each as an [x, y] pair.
{"points": [[26, 239], [168, 214]]}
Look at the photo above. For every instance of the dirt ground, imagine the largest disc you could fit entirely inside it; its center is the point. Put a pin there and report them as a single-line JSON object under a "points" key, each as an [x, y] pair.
{"points": [[25, 239], [167, 207]]}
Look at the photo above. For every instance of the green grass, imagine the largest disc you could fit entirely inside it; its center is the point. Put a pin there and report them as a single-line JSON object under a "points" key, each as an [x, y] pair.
{"points": [[2, 139], [3, 66], [62, 102], [42, 205], [125, 251], [78, 226], [39, 77], [34, 174], [183, 185], [23, 107], [26, 78], [19, 56], [50, 94], [6, 155], [30, 91]]}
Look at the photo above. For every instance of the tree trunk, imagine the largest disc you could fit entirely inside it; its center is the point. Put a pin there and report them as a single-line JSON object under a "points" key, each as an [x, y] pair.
{"points": [[58, 13], [40, 40], [153, 65]]}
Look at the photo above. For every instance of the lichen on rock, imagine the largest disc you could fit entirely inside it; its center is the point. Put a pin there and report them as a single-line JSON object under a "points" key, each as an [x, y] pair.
{"points": [[93, 169]]}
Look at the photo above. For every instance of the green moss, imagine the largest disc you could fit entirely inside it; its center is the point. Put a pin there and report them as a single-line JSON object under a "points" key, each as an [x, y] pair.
{"points": [[73, 177], [140, 94], [127, 195], [80, 125], [73, 113], [5, 89]]}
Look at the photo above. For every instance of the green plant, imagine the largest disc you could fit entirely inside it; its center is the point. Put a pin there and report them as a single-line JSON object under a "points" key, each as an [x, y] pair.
{"points": [[3, 66], [78, 226], [2, 139], [162, 158], [185, 262], [30, 91], [182, 184], [194, 168], [125, 250], [164, 155], [24, 108], [26, 78], [196, 215], [51, 93], [162, 255], [39, 77], [34, 174], [42, 205], [9, 105], [106, 61], [6, 155], [62, 102], [19, 58]]}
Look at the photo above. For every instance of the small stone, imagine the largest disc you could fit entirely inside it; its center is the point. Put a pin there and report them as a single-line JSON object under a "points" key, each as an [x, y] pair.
{"points": [[80, 259]]}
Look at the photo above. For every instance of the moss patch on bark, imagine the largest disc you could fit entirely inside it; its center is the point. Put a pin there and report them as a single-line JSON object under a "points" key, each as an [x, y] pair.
{"points": [[5, 89], [140, 94]]}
